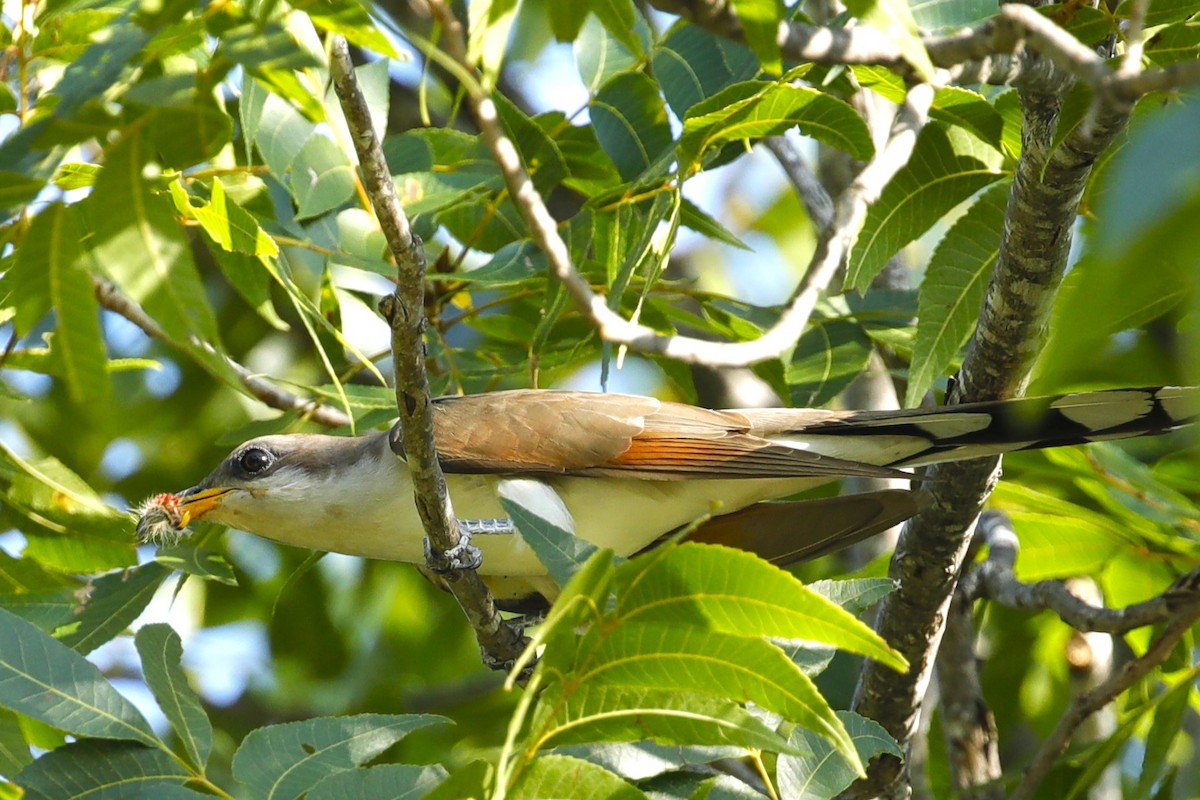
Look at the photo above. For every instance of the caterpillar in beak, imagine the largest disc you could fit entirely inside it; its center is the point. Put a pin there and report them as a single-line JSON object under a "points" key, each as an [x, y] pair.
{"points": [[161, 519]]}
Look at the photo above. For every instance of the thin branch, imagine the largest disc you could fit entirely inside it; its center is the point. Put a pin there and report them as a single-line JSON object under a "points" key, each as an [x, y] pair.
{"points": [[111, 297], [972, 740], [995, 580], [1015, 26], [405, 311], [809, 190], [1089, 703]]}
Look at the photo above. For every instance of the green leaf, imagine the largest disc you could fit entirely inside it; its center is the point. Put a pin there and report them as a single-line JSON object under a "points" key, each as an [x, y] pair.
{"points": [[322, 177], [269, 46], [953, 289], [566, 19], [489, 24], [760, 23], [821, 773], [1175, 43], [692, 64], [948, 165], [600, 56], [855, 596], [538, 152], [692, 658], [103, 771], [160, 651], [728, 590], [546, 526], [112, 604], [350, 19], [1170, 713], [382, 782], [631, 123], [140, 244], [945, 15], [620, 19], [754, 109], [51, 266], [827, 359], [68, 527], [957, 106], [183, 136], [694, 217], [895, 20], [91, 75], [277, 129], [49, 681], [577, 604], [282, 762], [198, 562], [570, 779], [16, 188], [49, 609], [14, 750], [1061, 547], [77, 175], [1161, 12], [229, 225], [586, 714]]}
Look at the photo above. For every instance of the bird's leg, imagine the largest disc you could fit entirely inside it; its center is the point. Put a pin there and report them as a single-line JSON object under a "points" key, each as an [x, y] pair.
{"points": [[465, 555]]}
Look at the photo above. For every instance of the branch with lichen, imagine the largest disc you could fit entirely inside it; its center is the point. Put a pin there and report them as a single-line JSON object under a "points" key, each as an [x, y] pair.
{"points": [[404, 309], [110, 296]]}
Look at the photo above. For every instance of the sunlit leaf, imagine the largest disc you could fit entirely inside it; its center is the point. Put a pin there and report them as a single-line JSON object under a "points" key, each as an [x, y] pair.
{"points": [[282, 762], [102, 770], [953, 289], [947, 166], [160, 651], [49, 681]]}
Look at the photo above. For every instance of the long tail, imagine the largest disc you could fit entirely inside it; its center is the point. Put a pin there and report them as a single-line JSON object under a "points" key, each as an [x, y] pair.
{"points": [[980, 429]]}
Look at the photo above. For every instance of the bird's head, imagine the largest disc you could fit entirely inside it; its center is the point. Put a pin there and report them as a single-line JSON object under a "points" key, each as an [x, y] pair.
{"points": [[265, 483]]}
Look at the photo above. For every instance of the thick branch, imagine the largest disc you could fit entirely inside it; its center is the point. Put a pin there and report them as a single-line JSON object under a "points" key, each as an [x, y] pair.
{"points": [[1042, 209], [111, 297], [405, 311]]}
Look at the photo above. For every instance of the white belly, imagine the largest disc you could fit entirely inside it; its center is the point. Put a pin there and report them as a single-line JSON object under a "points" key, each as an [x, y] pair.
{"points": [[377, 518]]}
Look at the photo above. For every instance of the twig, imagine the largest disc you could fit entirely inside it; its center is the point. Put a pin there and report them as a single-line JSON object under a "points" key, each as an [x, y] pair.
{"points": [[812, 194], [1089, 703], [405, 310], [1131, 62], [995, 580], [112, 298]]}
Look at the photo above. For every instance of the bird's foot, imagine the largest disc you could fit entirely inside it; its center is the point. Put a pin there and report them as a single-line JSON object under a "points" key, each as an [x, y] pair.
{"points": [[463, 555], [491, 527]]}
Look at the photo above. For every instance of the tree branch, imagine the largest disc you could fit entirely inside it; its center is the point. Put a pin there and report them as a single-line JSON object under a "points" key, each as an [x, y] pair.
{"points": [[995, 580], [1005, 35], [849, 213], [405, 311], [111, 297], [1089, 703], [972, 741]]}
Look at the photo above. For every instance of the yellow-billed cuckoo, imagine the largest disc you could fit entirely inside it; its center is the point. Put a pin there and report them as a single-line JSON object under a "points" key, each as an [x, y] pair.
{"points": [[631, 469]]}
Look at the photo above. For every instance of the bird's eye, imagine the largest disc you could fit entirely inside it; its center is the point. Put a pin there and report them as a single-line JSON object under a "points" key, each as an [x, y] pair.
{"points": [[254, 460]]}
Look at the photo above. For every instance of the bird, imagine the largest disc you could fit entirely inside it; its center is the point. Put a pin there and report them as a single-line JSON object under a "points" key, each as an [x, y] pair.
{"points": [[632, 469]]}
